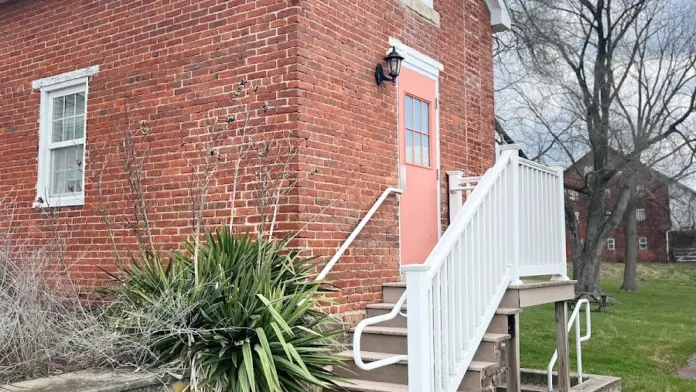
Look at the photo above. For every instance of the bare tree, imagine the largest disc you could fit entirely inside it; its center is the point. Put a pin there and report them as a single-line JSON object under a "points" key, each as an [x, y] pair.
{"points": [[603, 76]]}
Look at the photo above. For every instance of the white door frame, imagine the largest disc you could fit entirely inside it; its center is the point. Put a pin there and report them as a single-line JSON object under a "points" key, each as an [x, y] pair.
{"points": [[430, 68]]}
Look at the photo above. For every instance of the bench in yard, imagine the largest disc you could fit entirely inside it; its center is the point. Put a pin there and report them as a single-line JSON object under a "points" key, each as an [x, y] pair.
{"points": [[601, 299]]}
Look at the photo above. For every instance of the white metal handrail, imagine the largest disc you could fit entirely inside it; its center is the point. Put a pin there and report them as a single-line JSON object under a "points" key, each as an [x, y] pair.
{"points": [[574, 320], [357, 335], [357, 231]]}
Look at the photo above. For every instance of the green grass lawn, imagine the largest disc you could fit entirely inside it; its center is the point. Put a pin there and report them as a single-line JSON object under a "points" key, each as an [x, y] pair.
{"points": [[644, 339]]}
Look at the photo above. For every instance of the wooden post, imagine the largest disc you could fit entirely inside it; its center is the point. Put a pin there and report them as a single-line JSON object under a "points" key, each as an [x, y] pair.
{"points": [[562, 346], [513, 379]]}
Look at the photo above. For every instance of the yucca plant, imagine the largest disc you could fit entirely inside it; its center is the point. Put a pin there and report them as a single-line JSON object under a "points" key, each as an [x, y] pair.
{"points": [[250, 324]]}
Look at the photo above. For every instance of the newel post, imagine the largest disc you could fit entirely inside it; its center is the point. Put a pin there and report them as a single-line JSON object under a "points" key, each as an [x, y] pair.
{"points": [[514, 151], [420, 365], [559, 227], [454, 185]]}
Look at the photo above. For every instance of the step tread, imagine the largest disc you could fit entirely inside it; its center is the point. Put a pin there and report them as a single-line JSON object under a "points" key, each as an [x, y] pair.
{"points": [[400, 331], [394, 284], [371, 386], [394, 331], [508, 311], [370, 356], [390, 306]]}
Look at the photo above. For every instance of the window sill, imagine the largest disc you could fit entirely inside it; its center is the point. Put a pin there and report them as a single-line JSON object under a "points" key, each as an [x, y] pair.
{"points": [[61, 201], [423, 10]]}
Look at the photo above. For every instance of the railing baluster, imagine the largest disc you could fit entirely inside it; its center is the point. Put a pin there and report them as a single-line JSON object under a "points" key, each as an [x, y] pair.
{"points": [[437, 333]]}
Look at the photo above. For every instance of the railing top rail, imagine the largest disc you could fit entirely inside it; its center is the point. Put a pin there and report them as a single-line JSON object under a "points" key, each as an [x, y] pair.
{"points": [[439, 254], [537, 166], [357, 231]]}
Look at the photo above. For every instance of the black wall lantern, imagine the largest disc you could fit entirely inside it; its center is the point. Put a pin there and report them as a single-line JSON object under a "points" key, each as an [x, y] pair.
{"points": [[393, 61]]}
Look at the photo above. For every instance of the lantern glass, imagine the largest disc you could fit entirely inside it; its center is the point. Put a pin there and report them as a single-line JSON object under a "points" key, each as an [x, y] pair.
{"points": [[394, 60]]}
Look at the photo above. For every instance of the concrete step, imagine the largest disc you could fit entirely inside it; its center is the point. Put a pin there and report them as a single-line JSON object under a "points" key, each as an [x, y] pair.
{"points": [[394, 340], [398, 373], [354, 385], [499, 324], [393, 291], [526, 388]]}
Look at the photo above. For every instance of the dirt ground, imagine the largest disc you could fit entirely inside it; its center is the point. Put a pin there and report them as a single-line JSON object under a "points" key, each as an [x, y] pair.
{"points": [[688, 372]]}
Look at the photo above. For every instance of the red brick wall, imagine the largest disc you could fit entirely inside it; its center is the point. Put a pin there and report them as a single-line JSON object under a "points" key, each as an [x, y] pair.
{"points": [[351, 123], [171, 62]]}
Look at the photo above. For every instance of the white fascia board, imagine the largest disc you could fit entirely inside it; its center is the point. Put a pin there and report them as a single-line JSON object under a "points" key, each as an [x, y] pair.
{"points": [[500, 17]]}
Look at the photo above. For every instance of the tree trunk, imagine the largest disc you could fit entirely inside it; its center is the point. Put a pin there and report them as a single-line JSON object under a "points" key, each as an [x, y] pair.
{"points": [[588, 271], [630, 281]]}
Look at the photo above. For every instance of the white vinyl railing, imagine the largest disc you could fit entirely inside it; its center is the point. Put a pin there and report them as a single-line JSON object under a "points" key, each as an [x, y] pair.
{"points": [[503, 232], [453, 296], [357, 231], [541, 221], [512, 225], [579, 340]]}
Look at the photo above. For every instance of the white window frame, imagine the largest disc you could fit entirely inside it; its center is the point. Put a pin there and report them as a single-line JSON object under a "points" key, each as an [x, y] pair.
{"points": [[640, 214], [643, 243], [573, 195], [611, 243], [60, 85]]}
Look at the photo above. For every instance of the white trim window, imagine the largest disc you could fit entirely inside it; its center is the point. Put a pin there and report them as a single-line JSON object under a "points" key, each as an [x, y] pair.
{"points": [[643, 243], [640, 214], [611, 244], [62, 139], [572, 195]]}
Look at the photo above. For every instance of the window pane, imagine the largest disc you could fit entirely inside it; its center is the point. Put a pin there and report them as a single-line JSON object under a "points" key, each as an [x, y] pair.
{"points": [[66, 170], [409, 146], [69, 128], [416, 115], [69, 105], [79, 127], [58, 108], [58, 171], [408, 112], [417, 159], [426, 150], [57, 133], [80, 103], [426, 125]]}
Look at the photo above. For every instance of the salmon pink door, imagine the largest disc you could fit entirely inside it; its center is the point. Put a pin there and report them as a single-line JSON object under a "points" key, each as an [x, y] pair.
{"points": [[418, 159]]}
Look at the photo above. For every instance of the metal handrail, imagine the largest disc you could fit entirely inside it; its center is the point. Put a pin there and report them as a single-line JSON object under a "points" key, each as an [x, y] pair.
{"points": [[574, 319], [357, 231], [371, 321]]}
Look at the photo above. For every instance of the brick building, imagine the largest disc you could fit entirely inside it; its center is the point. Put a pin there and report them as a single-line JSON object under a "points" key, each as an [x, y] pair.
{"points": [[666, 210], [75, 75]]}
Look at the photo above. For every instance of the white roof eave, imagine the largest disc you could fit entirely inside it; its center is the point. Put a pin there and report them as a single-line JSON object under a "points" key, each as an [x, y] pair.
{"points": [[500, 17]]}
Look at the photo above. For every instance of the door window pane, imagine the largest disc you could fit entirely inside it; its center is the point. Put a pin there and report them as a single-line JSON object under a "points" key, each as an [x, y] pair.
{"points": [[417, 157], [409, 146], [417, 115], [426, 150]]}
